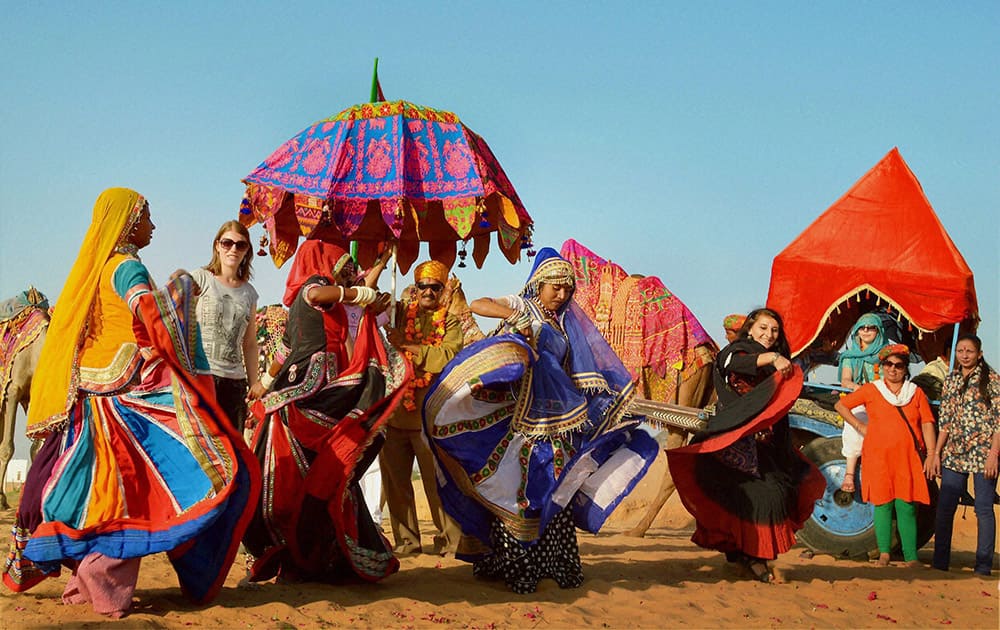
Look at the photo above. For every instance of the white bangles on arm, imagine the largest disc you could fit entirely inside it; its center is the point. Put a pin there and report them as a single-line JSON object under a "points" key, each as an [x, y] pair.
{"points": [[266, 380], [365, 296]]}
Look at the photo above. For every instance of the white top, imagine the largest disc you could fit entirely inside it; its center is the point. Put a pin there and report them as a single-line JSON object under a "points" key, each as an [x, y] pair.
{"points": [[223, 316]]}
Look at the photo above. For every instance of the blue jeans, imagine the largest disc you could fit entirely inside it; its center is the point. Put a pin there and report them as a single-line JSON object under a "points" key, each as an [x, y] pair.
{"points": [[953, 484]]}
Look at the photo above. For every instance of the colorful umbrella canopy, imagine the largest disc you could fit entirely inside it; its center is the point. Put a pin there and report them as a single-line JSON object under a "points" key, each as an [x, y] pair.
{"points": [[387, 172]]}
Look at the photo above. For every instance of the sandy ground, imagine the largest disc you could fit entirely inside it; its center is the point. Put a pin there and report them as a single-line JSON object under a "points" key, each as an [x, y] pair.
{"points": [[659, 581]]}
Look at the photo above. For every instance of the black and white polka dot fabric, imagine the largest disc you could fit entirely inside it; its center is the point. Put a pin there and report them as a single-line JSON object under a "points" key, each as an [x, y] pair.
{"points": [[555, 555]]}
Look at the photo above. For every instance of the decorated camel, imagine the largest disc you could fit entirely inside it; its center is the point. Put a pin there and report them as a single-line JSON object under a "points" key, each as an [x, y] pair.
{"points": [[24, 320], [659, 340]]}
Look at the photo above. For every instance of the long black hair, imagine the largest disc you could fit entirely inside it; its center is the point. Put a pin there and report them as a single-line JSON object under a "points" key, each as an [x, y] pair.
{"points": [[984, 369], [781, 345]]}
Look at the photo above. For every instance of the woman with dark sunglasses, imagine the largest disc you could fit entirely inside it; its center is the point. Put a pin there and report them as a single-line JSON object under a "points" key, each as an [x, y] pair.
{"points": [[226, 307], [898, 437], [855, 368]]}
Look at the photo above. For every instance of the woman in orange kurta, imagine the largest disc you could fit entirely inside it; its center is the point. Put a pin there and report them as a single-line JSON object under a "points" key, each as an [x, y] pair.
{"points": [[898, 436]]}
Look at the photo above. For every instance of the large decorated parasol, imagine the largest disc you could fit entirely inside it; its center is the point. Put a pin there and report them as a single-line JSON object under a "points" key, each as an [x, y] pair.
{"points": [[388, 172]]}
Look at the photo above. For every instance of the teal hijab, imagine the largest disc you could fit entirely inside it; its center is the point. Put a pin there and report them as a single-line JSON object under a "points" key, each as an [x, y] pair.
{"points": [[862, 362]]}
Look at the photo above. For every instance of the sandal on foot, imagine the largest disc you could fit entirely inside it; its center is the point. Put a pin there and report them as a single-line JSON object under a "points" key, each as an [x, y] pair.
{"points": [[759, 570], [848, 484]]}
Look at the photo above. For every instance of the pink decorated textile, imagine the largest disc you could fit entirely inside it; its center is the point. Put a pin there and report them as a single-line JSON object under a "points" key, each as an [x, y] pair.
{"points": [[646, 325], [16, 335]]}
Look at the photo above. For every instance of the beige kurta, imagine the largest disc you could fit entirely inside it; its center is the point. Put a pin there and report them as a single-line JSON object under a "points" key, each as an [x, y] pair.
{"points": [[404, 443]]}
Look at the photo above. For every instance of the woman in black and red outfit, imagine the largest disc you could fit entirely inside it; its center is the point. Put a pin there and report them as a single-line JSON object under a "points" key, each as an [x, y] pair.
{"points": [[322, 425], [743, 481]]}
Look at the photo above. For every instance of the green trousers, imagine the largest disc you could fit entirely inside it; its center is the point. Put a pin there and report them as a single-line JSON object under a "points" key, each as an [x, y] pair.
{"points": [[906, 522]]}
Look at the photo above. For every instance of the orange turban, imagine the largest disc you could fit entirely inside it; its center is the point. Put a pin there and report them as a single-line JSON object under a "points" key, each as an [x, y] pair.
{"points": [[734, 322], [431, 270]]}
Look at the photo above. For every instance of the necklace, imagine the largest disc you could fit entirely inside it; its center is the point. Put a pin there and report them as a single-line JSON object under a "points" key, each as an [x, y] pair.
{"points": [[129, 249], [547, 313], [421, 378]]}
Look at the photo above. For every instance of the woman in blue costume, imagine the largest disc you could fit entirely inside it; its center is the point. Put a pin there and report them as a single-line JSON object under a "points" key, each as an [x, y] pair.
{"points": [[531, 434], [138, 457]]}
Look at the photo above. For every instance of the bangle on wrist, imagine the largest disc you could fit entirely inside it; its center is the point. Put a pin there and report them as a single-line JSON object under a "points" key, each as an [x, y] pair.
{"points": [[774, 358], [266, 380]]}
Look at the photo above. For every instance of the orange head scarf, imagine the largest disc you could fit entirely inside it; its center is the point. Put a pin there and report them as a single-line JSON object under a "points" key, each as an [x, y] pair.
{"points": [[432, 270], [55, 383], [313, 258]]}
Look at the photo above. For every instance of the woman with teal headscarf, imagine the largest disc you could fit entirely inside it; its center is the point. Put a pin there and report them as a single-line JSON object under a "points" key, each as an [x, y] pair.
{"points": [[857, 367]]}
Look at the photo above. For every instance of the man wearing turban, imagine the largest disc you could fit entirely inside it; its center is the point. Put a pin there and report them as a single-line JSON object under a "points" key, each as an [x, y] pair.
{"points": [[429, 337]]}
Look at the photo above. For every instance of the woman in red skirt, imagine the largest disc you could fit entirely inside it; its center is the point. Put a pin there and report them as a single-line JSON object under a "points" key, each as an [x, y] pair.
{"points": [[743, 481]]}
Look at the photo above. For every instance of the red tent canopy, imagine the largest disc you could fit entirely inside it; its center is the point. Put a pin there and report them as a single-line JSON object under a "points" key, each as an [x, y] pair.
{"points": [[881, 244]]}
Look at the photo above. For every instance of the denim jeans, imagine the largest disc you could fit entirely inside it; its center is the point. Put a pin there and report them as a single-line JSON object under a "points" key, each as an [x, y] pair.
{"points": [[953, 485]]}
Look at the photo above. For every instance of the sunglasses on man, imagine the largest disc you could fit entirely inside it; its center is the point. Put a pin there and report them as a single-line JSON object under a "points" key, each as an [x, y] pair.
{"points": [[433, 287]]}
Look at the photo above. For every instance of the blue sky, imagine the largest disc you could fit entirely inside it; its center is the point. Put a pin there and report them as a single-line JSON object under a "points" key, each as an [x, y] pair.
{"points": [[692, 141]]}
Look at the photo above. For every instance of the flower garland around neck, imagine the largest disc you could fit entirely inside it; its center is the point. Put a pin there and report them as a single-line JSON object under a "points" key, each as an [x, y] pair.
{"points": [[417, 336]]}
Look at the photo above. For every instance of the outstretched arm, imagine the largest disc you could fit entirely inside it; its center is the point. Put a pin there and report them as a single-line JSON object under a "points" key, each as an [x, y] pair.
{"points": [[489, 307], [371, 277], [335, 294]]}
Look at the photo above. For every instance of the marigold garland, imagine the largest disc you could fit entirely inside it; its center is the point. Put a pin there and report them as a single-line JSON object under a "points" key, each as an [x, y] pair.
{"points": [[421, 378]]}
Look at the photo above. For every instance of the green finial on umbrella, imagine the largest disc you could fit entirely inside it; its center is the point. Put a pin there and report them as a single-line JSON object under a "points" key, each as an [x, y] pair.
{"points": [[377, 95]]}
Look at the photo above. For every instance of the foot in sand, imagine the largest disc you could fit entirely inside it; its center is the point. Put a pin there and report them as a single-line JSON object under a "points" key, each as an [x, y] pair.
{"points": [[759, 570]]}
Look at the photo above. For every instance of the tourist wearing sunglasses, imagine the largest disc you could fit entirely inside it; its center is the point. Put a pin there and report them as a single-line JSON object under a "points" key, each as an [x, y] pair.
{"points": [[898, 437], [855, 368], [226, 308]]}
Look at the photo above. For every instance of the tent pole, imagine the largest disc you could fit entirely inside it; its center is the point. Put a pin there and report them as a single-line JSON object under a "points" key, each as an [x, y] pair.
{"points": [[951, 355]]}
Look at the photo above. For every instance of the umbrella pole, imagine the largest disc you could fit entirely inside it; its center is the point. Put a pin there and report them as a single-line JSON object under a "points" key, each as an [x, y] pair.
{"points": [[392, 291]]}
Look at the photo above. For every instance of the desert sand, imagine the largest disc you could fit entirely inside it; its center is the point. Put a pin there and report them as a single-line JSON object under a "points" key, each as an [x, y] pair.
{"points": [[660, 581]]}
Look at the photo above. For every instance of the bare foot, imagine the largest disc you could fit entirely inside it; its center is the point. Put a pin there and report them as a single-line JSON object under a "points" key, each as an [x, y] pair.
{"points": [[777, 576], [246, 585], [883, 560], [914, 564]]}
